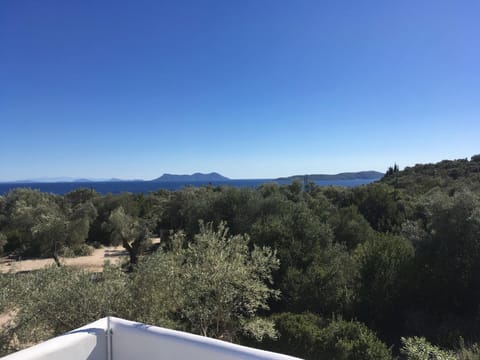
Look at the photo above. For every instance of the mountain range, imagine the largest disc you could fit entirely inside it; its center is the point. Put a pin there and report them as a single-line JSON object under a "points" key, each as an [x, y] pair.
{"points": [[65, 179], [210, 177]]}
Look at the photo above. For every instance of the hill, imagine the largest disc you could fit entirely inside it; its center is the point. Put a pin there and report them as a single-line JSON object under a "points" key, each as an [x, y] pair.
{"points": [[446, 174], [364, 175], [194, 177]]}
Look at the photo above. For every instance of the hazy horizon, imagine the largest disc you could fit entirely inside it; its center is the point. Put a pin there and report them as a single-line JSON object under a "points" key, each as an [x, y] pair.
{"points": [[75, 179]]}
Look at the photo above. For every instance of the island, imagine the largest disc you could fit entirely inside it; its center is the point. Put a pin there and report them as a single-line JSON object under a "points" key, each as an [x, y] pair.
{"points": [[191, 178]]}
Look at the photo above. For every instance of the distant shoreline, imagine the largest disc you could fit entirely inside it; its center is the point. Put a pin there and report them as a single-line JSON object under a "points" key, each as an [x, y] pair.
{"points": [[145, 187], [209, 177]]}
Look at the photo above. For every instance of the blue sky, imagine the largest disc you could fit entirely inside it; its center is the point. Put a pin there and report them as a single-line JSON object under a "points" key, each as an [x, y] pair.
{"points": [[248, 88]]}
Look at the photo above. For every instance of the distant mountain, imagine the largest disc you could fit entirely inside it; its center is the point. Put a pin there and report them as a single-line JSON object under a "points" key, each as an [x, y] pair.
{"points": [[210, 177], [194, 177], [45, 180], [102, 180], [361, 175], [64, 180]]}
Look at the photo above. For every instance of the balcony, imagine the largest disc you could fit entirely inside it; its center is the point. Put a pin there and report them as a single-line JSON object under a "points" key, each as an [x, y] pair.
{"points": [[112, 338]]}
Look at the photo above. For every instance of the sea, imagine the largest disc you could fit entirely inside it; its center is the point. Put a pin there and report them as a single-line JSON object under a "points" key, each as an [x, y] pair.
{"points": [[117, 187]]}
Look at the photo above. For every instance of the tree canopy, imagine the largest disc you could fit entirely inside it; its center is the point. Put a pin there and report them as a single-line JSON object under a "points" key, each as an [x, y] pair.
{"points": [[381, 270]]}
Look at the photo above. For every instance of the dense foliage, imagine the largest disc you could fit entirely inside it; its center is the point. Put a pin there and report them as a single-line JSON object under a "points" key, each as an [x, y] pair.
{"points": [[389, 269]]}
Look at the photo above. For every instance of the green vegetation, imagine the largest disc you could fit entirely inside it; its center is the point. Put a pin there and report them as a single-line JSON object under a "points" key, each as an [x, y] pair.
{"points": [[213, 285], [381, 271], [312, 337], [374, 175]]}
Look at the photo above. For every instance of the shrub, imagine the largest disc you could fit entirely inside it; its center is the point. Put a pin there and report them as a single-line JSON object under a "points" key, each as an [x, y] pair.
{"points": [[80, 250], [312, 337], [214, 285], [418, 348], [52, 301]]}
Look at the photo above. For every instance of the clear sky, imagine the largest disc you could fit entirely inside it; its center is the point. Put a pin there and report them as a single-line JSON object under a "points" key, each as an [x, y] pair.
{"points": [[247, 88]]}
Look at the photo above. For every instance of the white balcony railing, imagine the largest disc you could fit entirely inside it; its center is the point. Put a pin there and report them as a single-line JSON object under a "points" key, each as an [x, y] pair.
{"points": [[117, 339]]}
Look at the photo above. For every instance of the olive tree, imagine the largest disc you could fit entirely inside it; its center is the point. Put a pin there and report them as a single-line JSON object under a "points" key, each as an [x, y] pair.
{"points": [[131, 232], [214, 285], [54, 300], [40, 224]]}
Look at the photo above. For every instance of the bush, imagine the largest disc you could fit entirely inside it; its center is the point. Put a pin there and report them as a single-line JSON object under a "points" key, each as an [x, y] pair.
{"points": [[214, 285], [312, 337], [298, 334], [52, 301], [471, 352], [80, 250], [418, 348], [351, 340]]}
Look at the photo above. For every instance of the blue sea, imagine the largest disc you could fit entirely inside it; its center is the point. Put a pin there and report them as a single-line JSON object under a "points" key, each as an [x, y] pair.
{"points": [[114, 187]]}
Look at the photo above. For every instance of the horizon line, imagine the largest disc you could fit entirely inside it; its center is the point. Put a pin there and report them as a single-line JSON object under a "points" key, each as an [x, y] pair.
{"points": [[60, 179]]}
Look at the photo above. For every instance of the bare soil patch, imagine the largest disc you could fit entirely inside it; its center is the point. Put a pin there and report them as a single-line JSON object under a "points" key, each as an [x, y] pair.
{"points": [[93, 262]]}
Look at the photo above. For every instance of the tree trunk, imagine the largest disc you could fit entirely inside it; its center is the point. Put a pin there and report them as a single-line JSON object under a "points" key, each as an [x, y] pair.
{"points": [[132, 253], [57, 260]]}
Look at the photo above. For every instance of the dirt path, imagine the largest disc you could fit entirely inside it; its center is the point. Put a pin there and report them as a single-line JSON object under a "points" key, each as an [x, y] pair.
{"points": [[93, 262]]}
